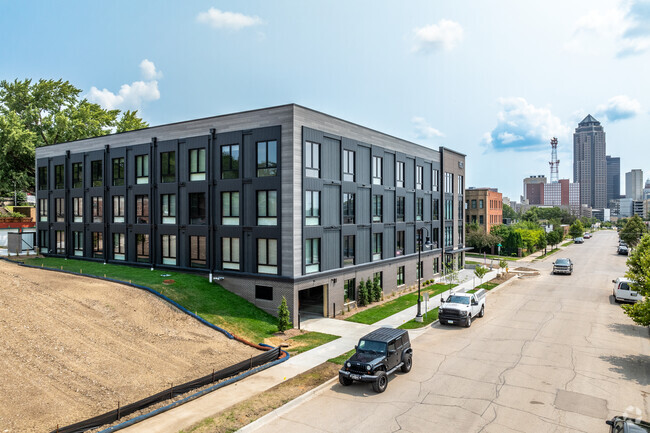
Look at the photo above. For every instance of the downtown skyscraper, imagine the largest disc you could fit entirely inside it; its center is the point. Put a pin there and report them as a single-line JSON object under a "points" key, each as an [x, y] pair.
{"points": [[589, 162]]}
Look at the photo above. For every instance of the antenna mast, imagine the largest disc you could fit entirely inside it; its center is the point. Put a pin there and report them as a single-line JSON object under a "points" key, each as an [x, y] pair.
{"points": [[554, 163]]}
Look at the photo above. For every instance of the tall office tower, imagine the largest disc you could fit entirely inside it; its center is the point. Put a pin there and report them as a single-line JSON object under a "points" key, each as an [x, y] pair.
{"points": [[634, 184], [589, 163], [531, 180], [613, 178]]}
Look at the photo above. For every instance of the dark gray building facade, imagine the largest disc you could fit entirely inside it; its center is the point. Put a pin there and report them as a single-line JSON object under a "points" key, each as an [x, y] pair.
{"points": [[589, 163], [277, 202], [613, 179]]}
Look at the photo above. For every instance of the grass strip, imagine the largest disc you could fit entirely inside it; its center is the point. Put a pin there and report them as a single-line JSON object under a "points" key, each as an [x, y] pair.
{"points": [[427, 319], [493, 257], [339, 360], [554, 250], [566, 244], [309, 341]]}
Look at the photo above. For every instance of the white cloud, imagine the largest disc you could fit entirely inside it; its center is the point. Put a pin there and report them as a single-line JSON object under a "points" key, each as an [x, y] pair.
{"points": [[445, 35], [227, 20], [149, 71], [618, 108], [424, 131], [523, 127], [130, 96]]}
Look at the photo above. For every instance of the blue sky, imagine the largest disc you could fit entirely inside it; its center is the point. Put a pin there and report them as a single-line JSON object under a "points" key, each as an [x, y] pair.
{"points": [[495, 80]]}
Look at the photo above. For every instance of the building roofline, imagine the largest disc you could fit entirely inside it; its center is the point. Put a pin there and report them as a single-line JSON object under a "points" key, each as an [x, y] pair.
{"points": [[446, 149]]}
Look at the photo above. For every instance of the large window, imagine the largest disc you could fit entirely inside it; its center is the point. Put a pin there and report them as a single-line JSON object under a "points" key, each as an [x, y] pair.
{"points": [[168, 167], [348, 165], [43, 241], [59, 177], [348, 208], [377, 170], [377, 208], [59, 210], [119, 249], [399, 243], [264, 292], [142, 169], [98, 244], [42, 209], [96, 173], [377, 239], [435, 237], [230, 253], [419, 209], [198, 253], [60, 242], [480, 204], [168, 208], [267, 256], [230, 161], [78, 209], [349, 290], [312, 159], [142, 247], [419, 177], [118, 208], [78, 243], [267, 158], [98, 209], [449, 209], [142, 209], [197, 208], [400, 209], [473, 203], [312, 208], [460, 209], [449, 236], [230, 208], [399, 174], [348, 250], [435, 180], [197, 164], [449, 183], [400, 275], [118, 171], [312, 255], [461, 191], [77, 175], [267, 208], [168, 249], [435, 209], [42, 178]]}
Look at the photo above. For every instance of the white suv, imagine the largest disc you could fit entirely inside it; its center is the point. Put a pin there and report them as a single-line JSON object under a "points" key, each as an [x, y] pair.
{"points": [[623, 291]]}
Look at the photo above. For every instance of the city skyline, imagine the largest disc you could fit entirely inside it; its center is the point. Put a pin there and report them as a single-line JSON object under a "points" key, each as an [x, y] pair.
{"points": [[460, 75]]}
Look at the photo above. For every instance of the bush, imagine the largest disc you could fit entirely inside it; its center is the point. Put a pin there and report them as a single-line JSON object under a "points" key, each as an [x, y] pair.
{"points": [[363, 294], [376, 290], [284, 317]]}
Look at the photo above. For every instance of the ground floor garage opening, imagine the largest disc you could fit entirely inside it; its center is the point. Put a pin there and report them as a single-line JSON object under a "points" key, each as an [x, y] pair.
{"points": [[312, 301]]}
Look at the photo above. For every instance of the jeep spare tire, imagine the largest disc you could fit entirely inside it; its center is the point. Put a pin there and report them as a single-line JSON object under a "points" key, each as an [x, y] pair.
{"points": [[381, 383]]}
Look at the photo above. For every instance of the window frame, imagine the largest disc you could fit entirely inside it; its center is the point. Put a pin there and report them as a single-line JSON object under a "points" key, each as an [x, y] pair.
{"points": [[267, 209], [399, 174], [197, 163], [59, 242], [77, 175], [228, 218], [419, 208], [142, 244], [78, 209], [168, 216], [59, 209], [168, 167], [435, 180], [377, 208], [118, 172], [96, 173], [347, 207], [312, 255], [377, 170], [400, 243], [419, 177], [97, 244], [348, 164], [226, 172], [142, 169], [349, 260], [59, 176], [78, 243], [312, 159], [97, 206], [227, 261], [197, 208], [377, 246], [266, 167], [265, 256], [198, 255], [168, 249], [312, 208], [400, 209], [118, 208], [142, 209], [119, 246], [400, 276], [42, 178]]}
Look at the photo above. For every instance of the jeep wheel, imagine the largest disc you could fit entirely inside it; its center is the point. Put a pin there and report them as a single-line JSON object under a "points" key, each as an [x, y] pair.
{"points": [[381, 383], [345, 381], [482, 312], [408, 363], [468, 322]]}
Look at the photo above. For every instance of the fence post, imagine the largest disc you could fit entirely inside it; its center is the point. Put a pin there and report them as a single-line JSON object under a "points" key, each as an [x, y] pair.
{"points": [[118, 410], [334, 315]]}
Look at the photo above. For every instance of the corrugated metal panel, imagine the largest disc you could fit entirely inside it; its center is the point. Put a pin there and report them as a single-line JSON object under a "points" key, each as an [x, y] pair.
{"points": [[389, 242], [389, 206], [409, 175], [331, 205], [331, 159], [410, 206], [363, 205], [363, 245], [389, 169], [363, 165], [409, 239], [331, 250], [427, 207]]}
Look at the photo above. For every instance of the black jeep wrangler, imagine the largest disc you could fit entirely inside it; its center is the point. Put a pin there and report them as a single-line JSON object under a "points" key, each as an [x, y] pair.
{"points": [[379, 354]]}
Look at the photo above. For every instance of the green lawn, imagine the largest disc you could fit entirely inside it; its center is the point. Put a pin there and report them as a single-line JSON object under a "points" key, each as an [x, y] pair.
{"points": [[428, 319], [310, 340], [342, 358], [380, 312], [554, 250], [489, 256], [194, 292], [566, 244]]}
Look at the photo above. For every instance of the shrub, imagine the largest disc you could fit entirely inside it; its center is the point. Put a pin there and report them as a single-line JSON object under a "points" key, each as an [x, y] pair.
{"points": [[376, 290], [363, 294], [284, 317]]}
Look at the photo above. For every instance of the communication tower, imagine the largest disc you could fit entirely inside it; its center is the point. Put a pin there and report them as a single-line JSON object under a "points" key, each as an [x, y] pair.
{"points": [[554, 163]]}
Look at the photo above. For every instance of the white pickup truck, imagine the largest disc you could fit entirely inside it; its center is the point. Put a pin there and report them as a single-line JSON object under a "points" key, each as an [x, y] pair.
{"points": [[461, 308]]}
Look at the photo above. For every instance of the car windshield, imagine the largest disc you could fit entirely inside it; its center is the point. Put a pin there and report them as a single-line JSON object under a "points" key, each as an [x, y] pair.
{"points": [[624, 286], [371, 346], [458, 300], [562, 262]]}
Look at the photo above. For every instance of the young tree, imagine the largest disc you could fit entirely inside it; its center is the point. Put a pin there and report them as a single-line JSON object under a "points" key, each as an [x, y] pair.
{"points": [[576, 230], [480, 272], [376, 289], [284, 317], [639, 272], [553, 238], [633, 230], [362, 294]]}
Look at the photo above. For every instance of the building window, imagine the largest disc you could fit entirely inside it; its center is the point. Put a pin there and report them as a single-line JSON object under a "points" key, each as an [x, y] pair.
{"points": [[449, 209], [400, 275], [399, 174], [460, 235], [312, 208], [230, 253], [119, 250], [348, 165], [230, 208], [460, 209], [197, 164], [60, 242], [230, 161], [460, 185], [77, 175], [78, 209], [264, 292], [168, 249], [142, 247], [449, 183], [168, 167], [419, 177], [168, 208], [98, 244], [118, 171], [473, 203], [267, 256], [480, 220], [436, 266], [312, 159], [142, 169], [399, 243], [473, 218], [267, 158], [419, 209], [377, 208], [118, 208], [198, 252], [43, 241], [267, 208], [142, 209], [480, 204], [436, 209], [312, 255], [377, 170], [348, 208], [59, 177], [449, 236], [78, 243], [96, 173], [197, 208], [42, 178], [435, 180], [377, 239], [379, 277], [59, 210], [98, 209], [349, 290], [400, 209], [348, 250]]}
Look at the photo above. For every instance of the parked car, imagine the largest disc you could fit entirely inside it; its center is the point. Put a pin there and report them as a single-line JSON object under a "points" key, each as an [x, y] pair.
{"points": [[623, 291], [579, 240], [563, 266], [620, 424], [587, 236], [378, 355], [622, 249], [462, 307]]}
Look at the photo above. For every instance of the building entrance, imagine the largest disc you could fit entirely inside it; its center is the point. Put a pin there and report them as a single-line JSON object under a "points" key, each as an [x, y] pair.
{"points": [[312, 300]]}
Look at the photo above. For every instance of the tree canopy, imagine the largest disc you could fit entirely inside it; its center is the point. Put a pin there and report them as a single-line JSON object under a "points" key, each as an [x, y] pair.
{"points": [[632, 231], [576, 230], [639, 272]]}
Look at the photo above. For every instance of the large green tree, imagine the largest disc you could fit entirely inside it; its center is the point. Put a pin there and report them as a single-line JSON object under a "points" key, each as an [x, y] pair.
{"points": [[35, 114], [633, 230], [509, 212], [576, 230], [639, 272]]}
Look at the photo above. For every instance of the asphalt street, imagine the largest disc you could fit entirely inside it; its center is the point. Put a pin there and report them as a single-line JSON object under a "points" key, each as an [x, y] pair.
{"points": [[553, 353]]}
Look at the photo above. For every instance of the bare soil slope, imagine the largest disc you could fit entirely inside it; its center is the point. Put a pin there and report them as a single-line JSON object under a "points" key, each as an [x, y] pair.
{"points": [[72, 347]]}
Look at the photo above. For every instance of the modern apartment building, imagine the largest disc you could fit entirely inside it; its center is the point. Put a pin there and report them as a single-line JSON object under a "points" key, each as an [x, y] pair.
{"points": [[484, 206], [589, 162], [613, 178], [277, 202], [634, 184]]}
